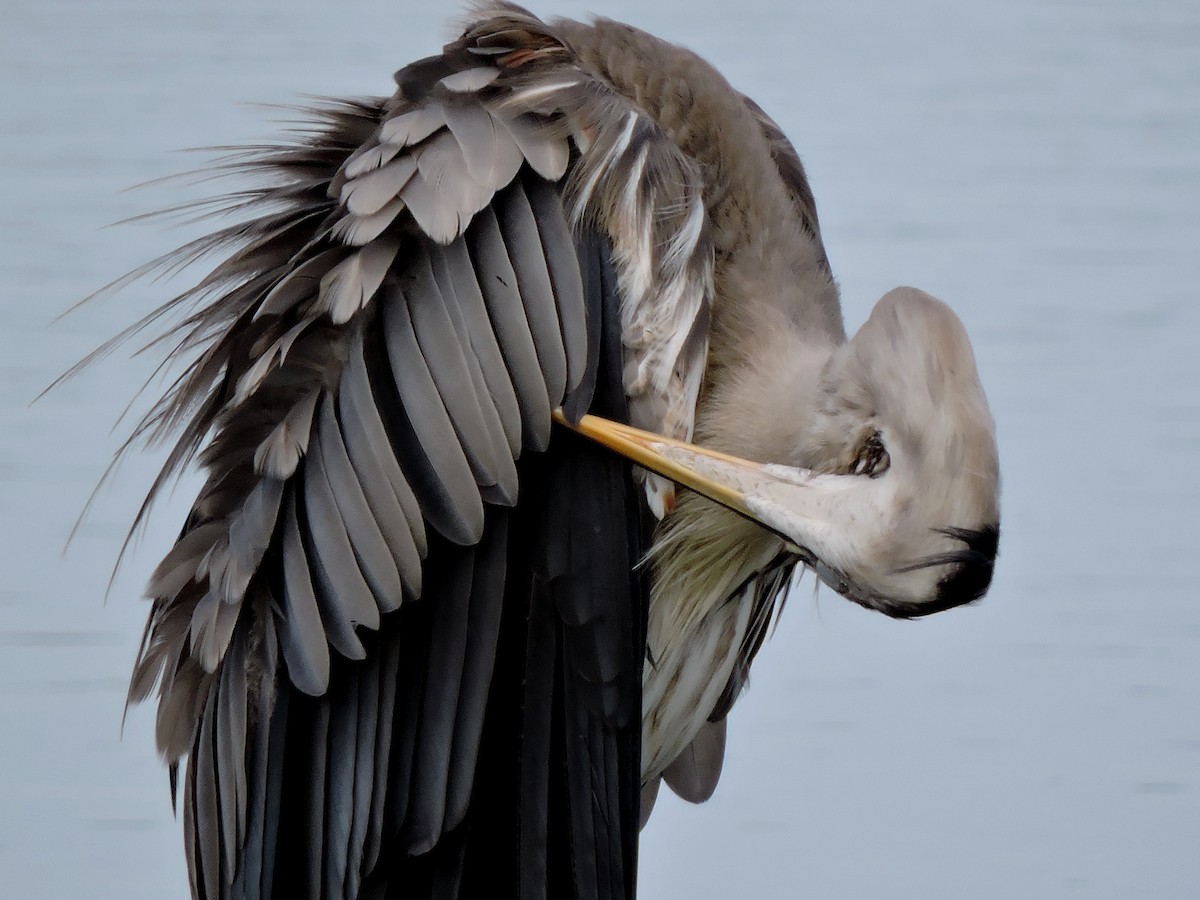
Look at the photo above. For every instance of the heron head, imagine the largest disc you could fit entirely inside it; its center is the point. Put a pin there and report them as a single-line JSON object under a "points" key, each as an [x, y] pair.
{"points": [[886, 477], [902, 429]]}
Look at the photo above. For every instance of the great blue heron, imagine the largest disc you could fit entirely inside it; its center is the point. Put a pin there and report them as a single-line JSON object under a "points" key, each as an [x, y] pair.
{"points": [[404, 640]]}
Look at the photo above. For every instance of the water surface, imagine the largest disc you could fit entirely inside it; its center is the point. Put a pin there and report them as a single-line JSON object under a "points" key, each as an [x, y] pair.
{"points": [[1035, 164]]}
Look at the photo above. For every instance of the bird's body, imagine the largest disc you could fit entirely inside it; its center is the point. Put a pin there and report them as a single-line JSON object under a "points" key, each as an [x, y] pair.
{"points": [[404, 640]]}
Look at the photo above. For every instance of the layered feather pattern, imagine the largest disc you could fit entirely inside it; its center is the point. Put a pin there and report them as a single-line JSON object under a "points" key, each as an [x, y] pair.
{"points": [[383, 345], [401, 634]]}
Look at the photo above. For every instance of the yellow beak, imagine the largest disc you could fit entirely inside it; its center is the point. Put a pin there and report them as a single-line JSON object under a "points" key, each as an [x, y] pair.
{"points": [[707, 472]]}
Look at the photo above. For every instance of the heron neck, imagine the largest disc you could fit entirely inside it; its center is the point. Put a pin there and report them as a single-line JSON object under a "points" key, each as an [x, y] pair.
{"points": [[702, 114]]}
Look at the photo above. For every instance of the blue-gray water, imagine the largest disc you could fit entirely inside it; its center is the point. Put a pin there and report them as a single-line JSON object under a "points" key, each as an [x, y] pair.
{"points": [[1036, 164]]}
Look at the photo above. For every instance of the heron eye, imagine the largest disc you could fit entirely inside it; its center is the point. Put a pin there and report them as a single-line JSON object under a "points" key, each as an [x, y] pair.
{"points": [[872, 458]]}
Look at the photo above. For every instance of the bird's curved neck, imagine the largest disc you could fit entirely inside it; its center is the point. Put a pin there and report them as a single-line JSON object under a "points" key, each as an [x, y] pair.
{"points": [[700, 112], [767, 265]]}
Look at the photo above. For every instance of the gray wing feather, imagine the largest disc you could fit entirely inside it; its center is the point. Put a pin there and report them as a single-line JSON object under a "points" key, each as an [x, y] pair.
{"points": [[370, 466], [257, 739], [367, 699], [317, 769], [512, 328], [444, 168], [529, 263], [547, 154], [427, 413], [413, 126], [250, 533], [483, 625], [358, 230], [491, 154], [305, 648], [236, 729], [300, 283], [230, 753], [278, 456], [267, 361], [369, 157], [212, 627], [276, 754], [207, 806], [370, 193], [223, 765], [177, 721], [178, 568], [339, 784], [470, 80], [648, 799], [356, 394], [427, 806], [562, 265], [464, 288], [435, 216], [348, 286], [486, 450], [190, 850], [389, 664], [362, 528], [695, 772], [488, 409], [343, 596]]}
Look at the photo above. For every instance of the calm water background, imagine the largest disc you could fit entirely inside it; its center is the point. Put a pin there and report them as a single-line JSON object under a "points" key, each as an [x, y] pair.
{"points": [[1036, 164]]}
